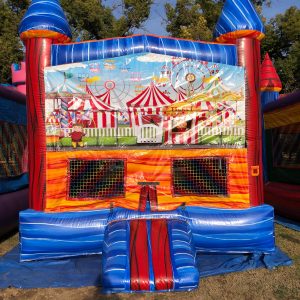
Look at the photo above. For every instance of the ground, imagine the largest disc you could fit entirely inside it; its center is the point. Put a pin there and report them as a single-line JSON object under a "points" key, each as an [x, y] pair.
{"points": [[281, 283]]}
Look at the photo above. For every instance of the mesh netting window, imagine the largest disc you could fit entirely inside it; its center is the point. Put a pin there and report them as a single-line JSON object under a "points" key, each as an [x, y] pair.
{"points": [[13, 157], [200, 176], [286, 146], [96, 178]]}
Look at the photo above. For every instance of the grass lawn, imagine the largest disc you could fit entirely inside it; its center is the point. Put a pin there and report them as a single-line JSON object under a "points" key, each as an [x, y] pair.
{"points": [[96, 141], [132, 140], [282, 283]]}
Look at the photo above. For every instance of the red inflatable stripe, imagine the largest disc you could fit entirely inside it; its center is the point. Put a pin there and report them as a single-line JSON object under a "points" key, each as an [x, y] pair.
{"points": [[161, 260], [37, 58], [143, 198], [139, 258]]}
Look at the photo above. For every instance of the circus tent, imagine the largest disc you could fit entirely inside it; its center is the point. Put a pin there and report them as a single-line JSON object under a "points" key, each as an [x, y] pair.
{"points": [[149, 102], [105, 97], [181, 95], [103, 114]]}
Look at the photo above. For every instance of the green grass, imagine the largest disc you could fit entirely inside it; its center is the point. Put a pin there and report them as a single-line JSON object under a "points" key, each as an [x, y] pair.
{"points": [[107, 141], [97, 141], [224, 140], [90, 141], [132, 140], [128, 140]]}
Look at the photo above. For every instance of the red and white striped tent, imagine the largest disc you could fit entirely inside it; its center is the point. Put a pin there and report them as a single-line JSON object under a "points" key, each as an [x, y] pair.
{"points": [[149, 102], [181, 95], [105, 97], [104, 115]]}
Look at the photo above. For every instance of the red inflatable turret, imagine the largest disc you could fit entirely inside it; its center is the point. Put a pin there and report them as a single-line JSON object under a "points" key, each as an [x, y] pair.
{"points": [[43, 23]]}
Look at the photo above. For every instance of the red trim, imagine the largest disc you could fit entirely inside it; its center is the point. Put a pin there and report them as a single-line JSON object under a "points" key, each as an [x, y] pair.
{"points": [[161, 257], [285, 198], [153, 197], [139, 258], [148, 192], [143, 198], [249, 57], [37, 58]]}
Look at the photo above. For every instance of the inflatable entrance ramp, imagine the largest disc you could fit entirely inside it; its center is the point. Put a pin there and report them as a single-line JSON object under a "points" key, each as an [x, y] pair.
{"points": [[149, 255]]}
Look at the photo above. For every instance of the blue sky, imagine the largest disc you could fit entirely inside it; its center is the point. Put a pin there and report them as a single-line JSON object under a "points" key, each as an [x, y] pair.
{"points": [[155, 24], [123, 75]]}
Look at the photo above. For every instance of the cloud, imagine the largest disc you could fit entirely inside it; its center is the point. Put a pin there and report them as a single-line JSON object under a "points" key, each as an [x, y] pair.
{"points": [[66, 67], [153, 57]]}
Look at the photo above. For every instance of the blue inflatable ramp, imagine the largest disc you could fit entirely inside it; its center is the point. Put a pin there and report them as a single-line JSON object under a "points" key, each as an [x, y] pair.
{"points": [[186, 275], [148, 255], [115, 259]]}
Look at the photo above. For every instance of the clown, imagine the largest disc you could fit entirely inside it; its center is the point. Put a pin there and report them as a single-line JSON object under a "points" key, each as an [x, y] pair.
{"points": [[76, 135]]}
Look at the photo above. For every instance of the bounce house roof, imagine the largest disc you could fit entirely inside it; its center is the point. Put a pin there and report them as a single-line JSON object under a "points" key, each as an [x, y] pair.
{"points": [[45, 18], [285, 101], [114, 47], [269, 79], [283, 112], [238, 19]]}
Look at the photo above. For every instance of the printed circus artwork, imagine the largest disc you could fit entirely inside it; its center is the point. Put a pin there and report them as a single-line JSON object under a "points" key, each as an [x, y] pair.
{"points": [[106, 103]]}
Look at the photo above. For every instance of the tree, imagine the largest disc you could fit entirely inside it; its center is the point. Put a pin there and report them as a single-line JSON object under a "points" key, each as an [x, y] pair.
{"points": [[282, 41], [92, 20], [195, 19], [187, 20], [89, 19], [11, 50]]}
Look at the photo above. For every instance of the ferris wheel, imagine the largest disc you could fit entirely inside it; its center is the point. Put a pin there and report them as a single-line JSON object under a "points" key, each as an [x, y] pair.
{"points": [[118, 92], [188, 77]]}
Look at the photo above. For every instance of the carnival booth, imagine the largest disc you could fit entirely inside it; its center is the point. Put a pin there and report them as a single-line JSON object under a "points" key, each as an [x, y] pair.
{"points": [[157, 149]]}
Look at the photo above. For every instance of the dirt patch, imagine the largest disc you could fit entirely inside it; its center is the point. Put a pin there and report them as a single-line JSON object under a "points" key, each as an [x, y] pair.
{"points": [[281, 283]]}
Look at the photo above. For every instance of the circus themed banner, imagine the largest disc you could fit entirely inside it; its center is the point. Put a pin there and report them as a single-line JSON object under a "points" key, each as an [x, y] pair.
{"points": [[144, 100]]}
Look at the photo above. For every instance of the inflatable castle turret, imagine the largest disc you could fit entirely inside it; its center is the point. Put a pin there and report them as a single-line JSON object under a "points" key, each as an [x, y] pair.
{"points": [[270, 84], [144, 166], [246, 32], [18, 72], [43, 24]]}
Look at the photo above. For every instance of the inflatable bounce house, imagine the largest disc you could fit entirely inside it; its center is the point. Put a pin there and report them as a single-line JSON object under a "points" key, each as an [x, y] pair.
{"points": [[144, 149], [13, 153], [282, 144]]}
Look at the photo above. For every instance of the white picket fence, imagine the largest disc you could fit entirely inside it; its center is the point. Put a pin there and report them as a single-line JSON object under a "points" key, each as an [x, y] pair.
{"points": [[149, 134], [104, 132], [153, 135], [232, 131]]}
